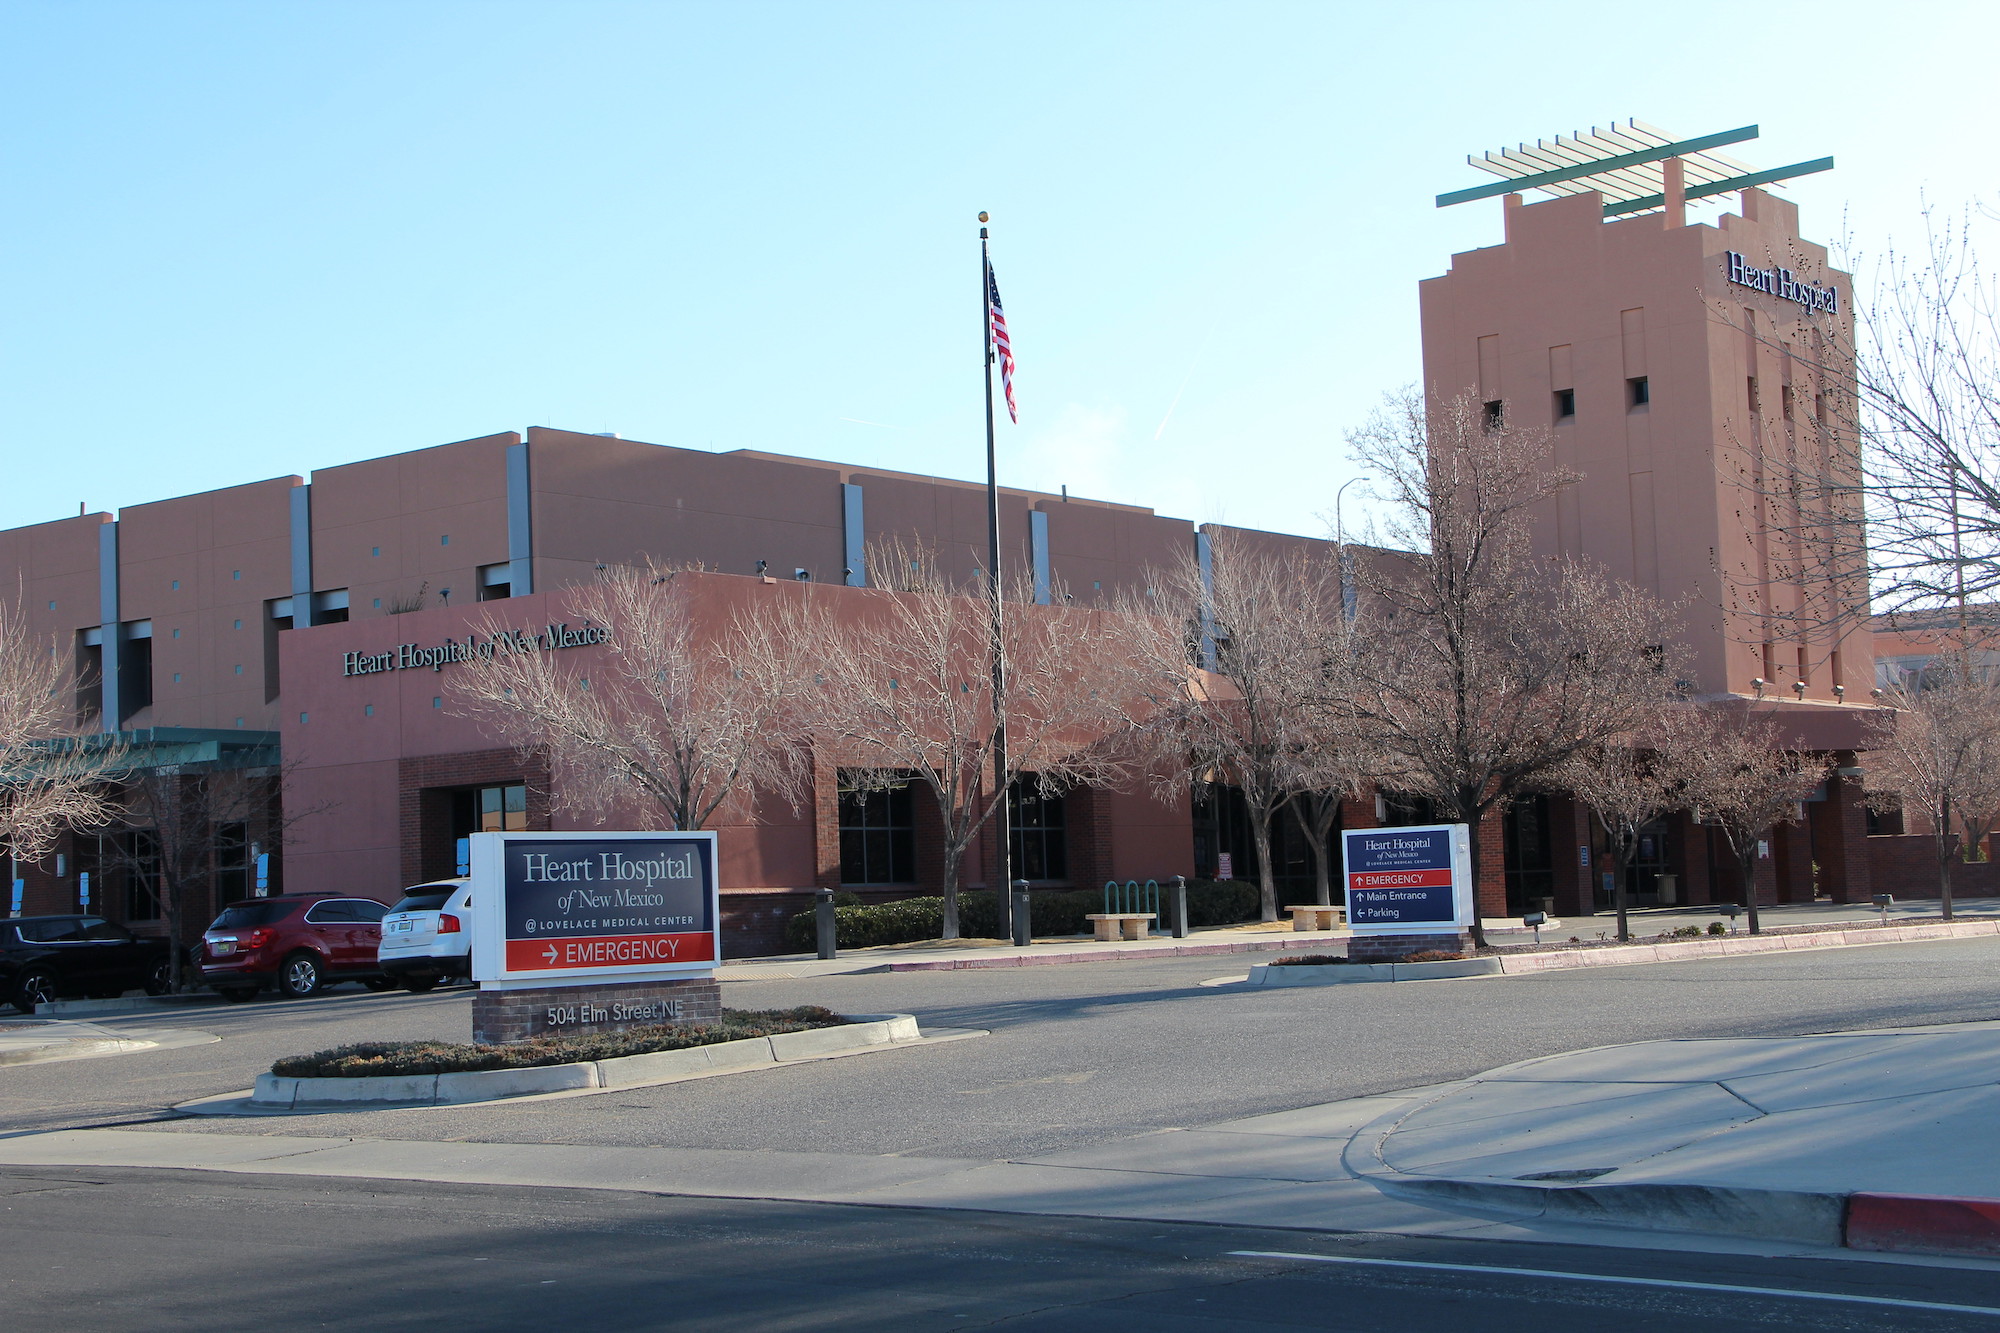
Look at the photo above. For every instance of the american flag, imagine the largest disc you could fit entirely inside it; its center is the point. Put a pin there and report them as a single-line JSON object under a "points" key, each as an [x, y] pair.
{"points": [[996, 319]]}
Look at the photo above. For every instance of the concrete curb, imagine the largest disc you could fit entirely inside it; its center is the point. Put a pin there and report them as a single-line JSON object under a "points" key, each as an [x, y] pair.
{"points": [[130, 1004], [1895, 1223], [274, 1094], [1791, 1215], [1267, 974], [1924, 1224], [1729, 946]]}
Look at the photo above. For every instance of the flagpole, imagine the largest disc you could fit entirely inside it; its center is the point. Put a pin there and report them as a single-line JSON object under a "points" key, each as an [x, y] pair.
{"points": [[1003, 892]]}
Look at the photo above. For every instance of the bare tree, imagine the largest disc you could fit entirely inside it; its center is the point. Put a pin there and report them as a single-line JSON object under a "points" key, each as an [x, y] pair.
{"points": [[1892, 417], [1939, 753], [173, 830], [907, 697], [1742, 778], [668, 713], [1481, 670], [52, 776], [1263, 714], [1630, 781]]}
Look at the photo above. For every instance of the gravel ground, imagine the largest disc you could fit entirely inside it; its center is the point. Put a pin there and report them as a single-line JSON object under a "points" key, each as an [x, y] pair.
{"points": [[1078, 1054]]}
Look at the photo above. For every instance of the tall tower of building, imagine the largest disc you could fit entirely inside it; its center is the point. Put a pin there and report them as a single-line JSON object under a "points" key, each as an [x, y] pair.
{"points": [[1694, 375]]}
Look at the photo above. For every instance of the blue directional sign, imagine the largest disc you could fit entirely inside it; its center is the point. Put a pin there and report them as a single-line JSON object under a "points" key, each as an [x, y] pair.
{"points": [[1409, 881]]}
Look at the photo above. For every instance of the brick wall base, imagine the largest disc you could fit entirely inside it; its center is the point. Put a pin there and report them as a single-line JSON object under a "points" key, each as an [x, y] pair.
{"points": [[502, 1017], [1394, 948]]}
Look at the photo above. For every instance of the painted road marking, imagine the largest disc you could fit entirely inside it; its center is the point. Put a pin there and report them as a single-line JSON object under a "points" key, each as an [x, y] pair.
{"points": [[1719, 1287]]}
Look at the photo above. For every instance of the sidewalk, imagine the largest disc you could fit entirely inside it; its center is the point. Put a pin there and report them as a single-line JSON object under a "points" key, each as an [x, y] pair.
{"points": [[1876, 1140]]}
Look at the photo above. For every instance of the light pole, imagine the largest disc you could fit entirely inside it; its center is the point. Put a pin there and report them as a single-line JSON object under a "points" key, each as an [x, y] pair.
{"points": [[1340, 545]]}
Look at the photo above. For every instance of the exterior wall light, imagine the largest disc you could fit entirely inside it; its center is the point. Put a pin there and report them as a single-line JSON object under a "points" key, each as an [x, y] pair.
{"points": [[1799, 688], [1758, 683]]}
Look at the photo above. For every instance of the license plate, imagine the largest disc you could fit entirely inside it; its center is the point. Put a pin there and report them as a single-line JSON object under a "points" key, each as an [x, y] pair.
{"points": [[401, 927], [221, 947]]}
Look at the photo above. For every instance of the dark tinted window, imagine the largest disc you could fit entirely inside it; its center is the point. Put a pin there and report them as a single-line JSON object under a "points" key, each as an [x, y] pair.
{"points": [[242, 916], [422, 900], [48, 932], [368, 911], [335, 909], [104, 930]]}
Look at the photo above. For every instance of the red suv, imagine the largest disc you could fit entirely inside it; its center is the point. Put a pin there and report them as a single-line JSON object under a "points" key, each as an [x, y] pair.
{"points": [[297, 942]]}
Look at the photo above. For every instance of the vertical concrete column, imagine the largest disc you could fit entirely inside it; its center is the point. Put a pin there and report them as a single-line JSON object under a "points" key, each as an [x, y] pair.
{"points": [[1038, 549], [520, 524], [1673, 179], [302, 556], [108, 653], [1840, 834], [854, 536], [1204, 558]]}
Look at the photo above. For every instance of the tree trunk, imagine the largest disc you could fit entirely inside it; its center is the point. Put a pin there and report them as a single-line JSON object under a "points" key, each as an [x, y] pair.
{"points": [[952, 859], [1615, 849], [1267, 885], [1746, 861], [1946, 854]]}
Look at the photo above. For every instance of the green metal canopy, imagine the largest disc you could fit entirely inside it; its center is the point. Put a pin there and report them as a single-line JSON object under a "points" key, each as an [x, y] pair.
{"points": [[1626, 164]]}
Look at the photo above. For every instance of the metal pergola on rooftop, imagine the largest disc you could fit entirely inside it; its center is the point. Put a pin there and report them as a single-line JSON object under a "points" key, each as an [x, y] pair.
{"points": [[1627, 164]]}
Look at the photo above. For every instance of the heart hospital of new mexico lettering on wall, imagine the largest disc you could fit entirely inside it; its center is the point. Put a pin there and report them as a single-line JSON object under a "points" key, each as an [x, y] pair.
{"points": [[412, 656], [597, 906]]}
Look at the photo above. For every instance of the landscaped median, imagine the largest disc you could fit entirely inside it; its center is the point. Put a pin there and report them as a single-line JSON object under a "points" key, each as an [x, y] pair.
{"points": [[442, 1074]]}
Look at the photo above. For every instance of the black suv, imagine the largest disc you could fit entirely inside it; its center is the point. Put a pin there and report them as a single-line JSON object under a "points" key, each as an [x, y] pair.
{"points": [[44, 958]]}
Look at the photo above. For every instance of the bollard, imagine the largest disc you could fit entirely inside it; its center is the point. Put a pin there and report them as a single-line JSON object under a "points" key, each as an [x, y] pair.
{"points": [[1024, 932], [1180, 907], [823, 918]]}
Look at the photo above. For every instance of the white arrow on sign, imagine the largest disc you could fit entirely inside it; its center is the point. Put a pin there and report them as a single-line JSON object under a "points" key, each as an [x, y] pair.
{"points": [[550, 956]]}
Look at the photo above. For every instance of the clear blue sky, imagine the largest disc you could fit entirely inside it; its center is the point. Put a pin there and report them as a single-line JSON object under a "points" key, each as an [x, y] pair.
{"points": [[249, 239]]}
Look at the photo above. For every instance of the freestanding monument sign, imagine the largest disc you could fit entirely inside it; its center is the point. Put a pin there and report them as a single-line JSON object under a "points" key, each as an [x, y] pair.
{"points": [[592, 932]]}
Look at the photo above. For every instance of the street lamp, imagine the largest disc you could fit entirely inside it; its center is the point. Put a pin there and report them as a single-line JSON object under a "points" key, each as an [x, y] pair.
{"points": [[1340, 546]]}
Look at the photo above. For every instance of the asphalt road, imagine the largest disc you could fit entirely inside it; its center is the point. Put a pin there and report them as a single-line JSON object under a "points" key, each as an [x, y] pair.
{"points": [[1078, 1054], [109, 1251]]}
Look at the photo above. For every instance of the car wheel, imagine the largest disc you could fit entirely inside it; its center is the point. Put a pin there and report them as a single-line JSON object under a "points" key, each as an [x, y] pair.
{"points": [[300, 976], [239, 994], [34, 988], [160, 979], [418, 985], [378, 983]]}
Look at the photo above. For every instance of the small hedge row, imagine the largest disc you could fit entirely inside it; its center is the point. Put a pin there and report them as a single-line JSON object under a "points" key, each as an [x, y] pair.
{"points": [[858, 925], [374, 1059]]}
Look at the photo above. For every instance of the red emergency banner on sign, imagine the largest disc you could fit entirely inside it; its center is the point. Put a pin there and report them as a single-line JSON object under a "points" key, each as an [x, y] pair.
{"points": [[609, 951], [1401, 879]]}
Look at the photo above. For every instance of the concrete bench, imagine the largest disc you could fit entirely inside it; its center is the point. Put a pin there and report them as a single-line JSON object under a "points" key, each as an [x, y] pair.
{"points": [[1311, 916], [1120, 925]]}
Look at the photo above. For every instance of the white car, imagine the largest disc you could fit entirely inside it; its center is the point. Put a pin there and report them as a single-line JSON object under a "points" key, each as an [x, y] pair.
{"points": [[427, 937]]}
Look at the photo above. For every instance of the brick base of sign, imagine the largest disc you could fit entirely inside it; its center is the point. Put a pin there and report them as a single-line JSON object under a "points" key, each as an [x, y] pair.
{"points": [[1395, 948], [502, 1017]]}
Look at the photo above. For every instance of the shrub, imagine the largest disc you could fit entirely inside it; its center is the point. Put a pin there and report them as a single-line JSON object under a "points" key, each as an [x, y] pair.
{"points": [[1435, 956], [1309, 960], [1682, 933], [370, 1059], [1051, 911], [1717, 928]]}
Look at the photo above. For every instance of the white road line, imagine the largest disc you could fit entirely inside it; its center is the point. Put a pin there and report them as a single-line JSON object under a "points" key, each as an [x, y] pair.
{"points": [[1781, 1292]]}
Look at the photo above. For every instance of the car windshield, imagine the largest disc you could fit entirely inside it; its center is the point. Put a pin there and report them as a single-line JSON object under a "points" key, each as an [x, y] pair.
{"points": [[243, 916], [423, 900]]}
